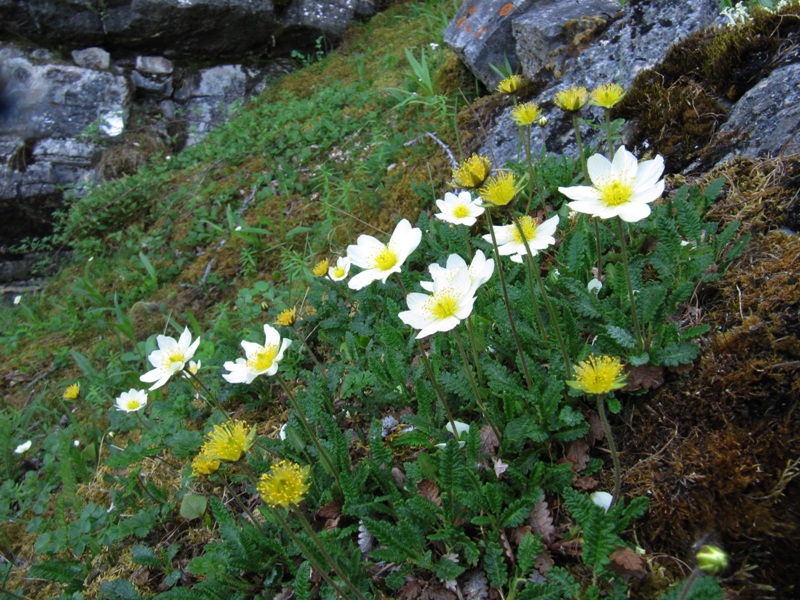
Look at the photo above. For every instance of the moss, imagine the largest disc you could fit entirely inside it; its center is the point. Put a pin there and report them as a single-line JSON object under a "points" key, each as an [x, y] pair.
{"points": [[678, 106]]}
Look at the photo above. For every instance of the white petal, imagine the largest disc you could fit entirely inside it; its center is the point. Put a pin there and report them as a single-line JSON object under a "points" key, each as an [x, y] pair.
{"points": [[363, 279], [634, 211], [581, 193], [599, 167]]}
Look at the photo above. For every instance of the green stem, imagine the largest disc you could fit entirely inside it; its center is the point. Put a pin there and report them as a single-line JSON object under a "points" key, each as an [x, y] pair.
{"points": [[429, 369], [475, 390], [326, 555], [304, 421], [612, 447], [207, 395], [534, 268], [578, 141], [507, 302], [689, 584], [598, 246], [608, 135], [328, 401], [304, 550], [474, 345], [637, 328]]}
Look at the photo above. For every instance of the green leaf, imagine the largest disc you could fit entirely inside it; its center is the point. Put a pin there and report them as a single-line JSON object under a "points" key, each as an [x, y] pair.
{"points": [[143, 555], [193, 506], [529, 548], [680, 353], [495, 565], [621, 336], [119, 589]]}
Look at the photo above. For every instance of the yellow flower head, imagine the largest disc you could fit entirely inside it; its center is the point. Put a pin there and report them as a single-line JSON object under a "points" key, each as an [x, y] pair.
{"points": [[572, 100], [598, 375], [321, 268], [526, 114], [712, 560], [288, 316], [472, 172], [499, 190], [509, 85], [202, 465], [228, 441], [72, 391], [607, 95], [284, 485]]}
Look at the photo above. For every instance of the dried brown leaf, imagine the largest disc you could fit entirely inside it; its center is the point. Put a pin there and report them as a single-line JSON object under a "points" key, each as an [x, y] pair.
{"points": [[585, 483], [542, 521], [332, 510], [544, 562], [627, 564], [596, 432], [489, 441], [577, 453], [430, 491], [645, 377]]}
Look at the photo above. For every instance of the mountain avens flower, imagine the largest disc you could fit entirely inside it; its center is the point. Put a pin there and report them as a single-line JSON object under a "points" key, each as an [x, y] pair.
{"points": [[449, 303], [321, 268], [526, 114], [132, 400], [620, 188], [228, 441], [340, 270], [572, 100], [480, 271], [459, 209], [598, 375], [380, 260], [288, 316], [71, 392], [170, 358], [499, 190], [203, 465], [472, 172], [510, 84], [607, 95], [602, 499], [712, 560], [285, 484], [260, 359], [538, 235]]}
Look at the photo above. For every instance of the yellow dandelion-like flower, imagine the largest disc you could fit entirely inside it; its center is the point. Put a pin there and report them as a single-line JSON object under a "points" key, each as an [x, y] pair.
{"points": [[284, 485], [526, 114], [607, 95], [72, 391], [228, 441], [203, 465], [472, 172], [509, 85], [599, 375], [287, 316], [321, 268], [499, 190], [572, 100]]}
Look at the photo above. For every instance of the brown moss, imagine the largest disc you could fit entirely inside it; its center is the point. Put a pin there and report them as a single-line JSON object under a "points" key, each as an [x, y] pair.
{"points": [[716, 448]]}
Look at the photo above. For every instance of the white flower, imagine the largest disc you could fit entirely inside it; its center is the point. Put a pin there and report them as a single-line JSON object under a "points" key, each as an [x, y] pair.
{"points": [[461, 430], [76, 443], [17, 299], [450, 302], [381, 260], [594, 286], [132, 400], [261, 360], [459, 210], [480, 271], [509, 240], [602, 499], [170, 358], [23, 447], [341, 270], [622, 188], [282, 433]]}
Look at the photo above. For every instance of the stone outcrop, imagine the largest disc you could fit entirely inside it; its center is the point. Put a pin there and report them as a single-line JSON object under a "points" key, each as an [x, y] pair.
{"points": [[215, 29]]}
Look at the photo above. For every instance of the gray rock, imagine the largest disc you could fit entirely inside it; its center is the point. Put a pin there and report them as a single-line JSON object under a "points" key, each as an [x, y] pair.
{"points": [[481, 35], [155, 84], [769, 116], [208, 98], [154, 65], [92, 58], [330, 17], [636, 41]]}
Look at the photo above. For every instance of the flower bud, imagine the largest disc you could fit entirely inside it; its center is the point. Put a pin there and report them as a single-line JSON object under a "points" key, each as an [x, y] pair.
{"points": [[712, 560]]}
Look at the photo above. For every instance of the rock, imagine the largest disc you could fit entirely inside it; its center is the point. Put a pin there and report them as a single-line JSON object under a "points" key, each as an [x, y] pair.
{"points": [[92, 58], [154, 65], [637, 40], [769, 116], [481, 35], [207, 98], [182, 28]]}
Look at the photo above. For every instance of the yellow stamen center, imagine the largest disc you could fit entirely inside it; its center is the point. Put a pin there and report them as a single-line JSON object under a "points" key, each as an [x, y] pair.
{"points": [[444, 305], [174, 361], [615, 193], [263, 358], [460, 211], [133, 404], [528, 227], [386, 259], [338, 272]]}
